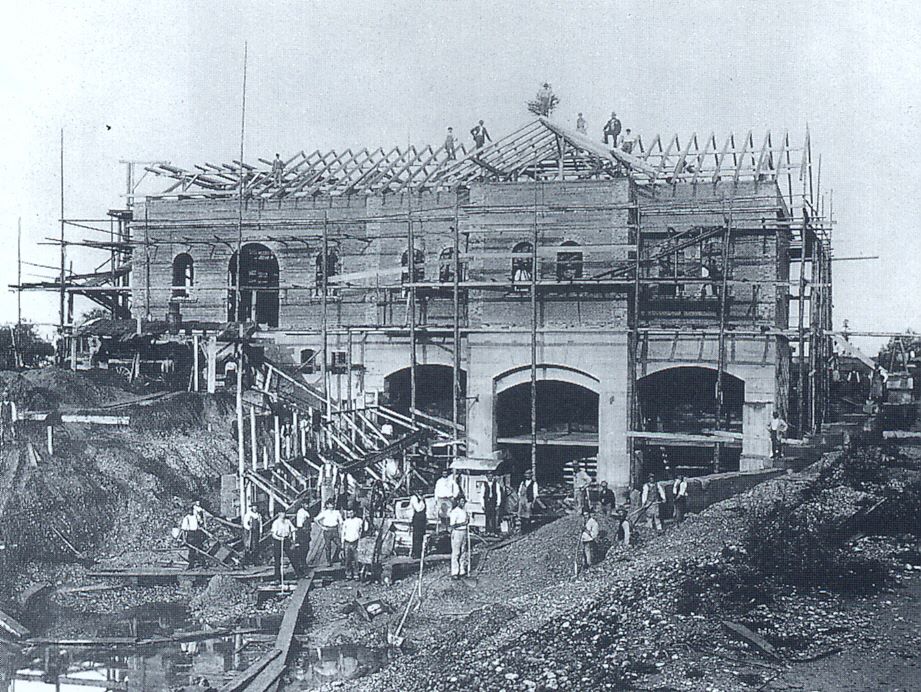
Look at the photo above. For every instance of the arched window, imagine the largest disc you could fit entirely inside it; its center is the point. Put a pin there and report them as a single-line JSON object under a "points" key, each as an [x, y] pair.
{"points": [[521, 265], [308, 361], [332, 269], [258, 300], [446, 266], [183, 274], [418, 266], [568, 263]]}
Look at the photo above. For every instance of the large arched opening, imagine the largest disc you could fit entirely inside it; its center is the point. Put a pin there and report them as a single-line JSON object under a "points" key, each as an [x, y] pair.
{"points": [[682, 404], [434, 386], [258, 286], [566, 414]]}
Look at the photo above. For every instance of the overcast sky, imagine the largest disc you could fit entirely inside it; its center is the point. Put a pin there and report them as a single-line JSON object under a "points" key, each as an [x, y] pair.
{"points": [[161, 80]]}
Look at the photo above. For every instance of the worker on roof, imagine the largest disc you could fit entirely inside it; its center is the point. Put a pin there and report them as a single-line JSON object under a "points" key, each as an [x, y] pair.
{"points": [[446, 491], [192, 536], [628, 141], [580, 483], [589, 537], [449, 143], [652, 498], [284, 535], [611, 129], [777, 427], [252, 532], [480, 135], [581, 125], [278, 169], [527, 496], [493, 497], [330, 521], [680, 491], [460, 522]]}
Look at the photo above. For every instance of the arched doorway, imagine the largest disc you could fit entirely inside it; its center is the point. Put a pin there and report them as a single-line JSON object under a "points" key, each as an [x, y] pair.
{"points": [[434, 384], [258, 286], [566, 416], [683, 400]]}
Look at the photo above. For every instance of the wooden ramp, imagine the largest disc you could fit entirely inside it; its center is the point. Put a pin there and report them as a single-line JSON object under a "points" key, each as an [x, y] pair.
{"points": [[263, 675]]}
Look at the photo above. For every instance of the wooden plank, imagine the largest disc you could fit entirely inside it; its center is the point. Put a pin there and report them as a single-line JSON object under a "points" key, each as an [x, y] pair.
{"points": [[745, 634], [9, 624]]}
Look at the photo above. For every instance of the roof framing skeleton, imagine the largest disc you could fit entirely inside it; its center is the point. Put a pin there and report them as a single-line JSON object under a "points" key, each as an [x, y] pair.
{"points": [[541, 150]]}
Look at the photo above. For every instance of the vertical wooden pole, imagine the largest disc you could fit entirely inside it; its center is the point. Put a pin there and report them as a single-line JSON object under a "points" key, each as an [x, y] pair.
{"points": [[19, 272], [295, 436], [634, 352], [196, 363], [721, 339], [801, 302], [146, 264], [50, 434], [456, 370], [324, 307], [241, 451], [63, 259], [211, 364], [411, 265], [254, 448], [277, 440], [534, 269]]}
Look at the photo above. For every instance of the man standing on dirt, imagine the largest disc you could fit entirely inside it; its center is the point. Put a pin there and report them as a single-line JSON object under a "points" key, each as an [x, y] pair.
{"points": [[777, 427], [580, 482], [527, 496], [192, 536], [284, 534], [419, 522], [351, 533], [492, 501], [459, 521], [446, 491], [606, 498], [653, 496], [680, 491], [302, 524], [252, 532], [590, 533], [330, 521]]}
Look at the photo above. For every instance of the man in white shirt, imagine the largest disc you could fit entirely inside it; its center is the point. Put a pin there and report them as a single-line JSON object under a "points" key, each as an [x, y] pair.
{"points": [[653, 495], [283, 536], [330, 521], [777, 427], [252, 532], [303, 525], [590, 532], [350, 533], [193, 537], [580, 482], [329, 479], [446, 491], [459, 521], [680, 491]]}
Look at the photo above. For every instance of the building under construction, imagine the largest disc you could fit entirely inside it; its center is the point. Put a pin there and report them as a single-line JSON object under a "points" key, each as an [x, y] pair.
{"points": [[543, 298]]}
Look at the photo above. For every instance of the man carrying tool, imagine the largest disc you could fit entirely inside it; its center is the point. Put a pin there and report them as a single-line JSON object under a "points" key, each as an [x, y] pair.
{"points": [[527, 496], [680, 491], [330, 521], [580, 482], [252, 532], [653, 495], [777, 427], [459, 521], [350, 534], [446, 491], [283, 533], [192, 536], [590, 533], [492, 501]]}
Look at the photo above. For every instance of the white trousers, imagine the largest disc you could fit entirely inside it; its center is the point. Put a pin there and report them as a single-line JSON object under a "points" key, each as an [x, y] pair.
{"points": [[458, 552]]}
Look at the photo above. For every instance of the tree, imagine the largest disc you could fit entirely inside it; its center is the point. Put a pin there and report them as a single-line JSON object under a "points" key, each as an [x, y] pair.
{"points": [[22, 340], [544, 102]]}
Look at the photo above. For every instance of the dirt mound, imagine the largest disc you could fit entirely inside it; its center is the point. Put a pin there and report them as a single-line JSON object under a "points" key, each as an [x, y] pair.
{"points": [[224, 600], [46, 389]]}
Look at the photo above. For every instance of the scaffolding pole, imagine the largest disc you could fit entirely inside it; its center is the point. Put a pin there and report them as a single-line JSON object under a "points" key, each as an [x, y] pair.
{"points": [[721, 338], [633, 353], [62, 296], [241, 450], [455, 295], [324, 309], [534, 269]]}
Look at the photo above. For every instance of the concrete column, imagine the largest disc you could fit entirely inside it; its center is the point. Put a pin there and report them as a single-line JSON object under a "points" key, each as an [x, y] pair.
{"points": [[481, 436], [211, 358]]}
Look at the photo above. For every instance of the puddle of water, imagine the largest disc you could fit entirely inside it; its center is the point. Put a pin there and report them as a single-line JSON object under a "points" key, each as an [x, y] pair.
{"points": [[317, 666], [177, 666]]}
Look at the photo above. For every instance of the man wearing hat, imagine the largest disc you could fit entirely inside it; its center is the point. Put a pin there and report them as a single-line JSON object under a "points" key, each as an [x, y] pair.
{"points": [[527, 495]]}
